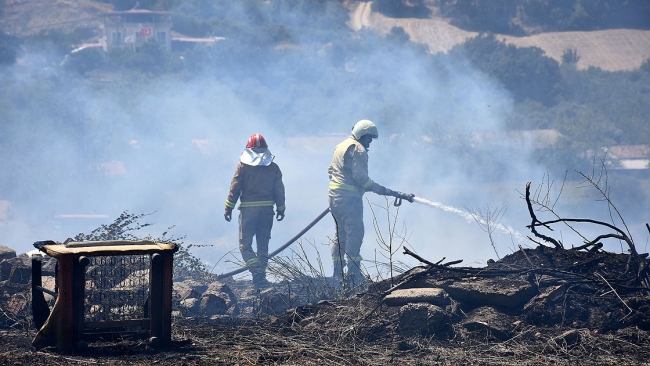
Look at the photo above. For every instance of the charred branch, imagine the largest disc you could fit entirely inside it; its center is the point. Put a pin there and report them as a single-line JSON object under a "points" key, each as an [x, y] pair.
{"points": [[452, 263], [594, 245], [536, 222], [634, 255], [431, 264], [621, 236]]}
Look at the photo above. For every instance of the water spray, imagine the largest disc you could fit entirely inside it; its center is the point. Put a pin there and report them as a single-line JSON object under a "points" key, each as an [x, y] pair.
{"points": [[467, 216]]}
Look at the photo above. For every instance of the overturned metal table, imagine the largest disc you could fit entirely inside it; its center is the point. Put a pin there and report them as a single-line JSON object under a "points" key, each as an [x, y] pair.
{"points": [[106, 289]]}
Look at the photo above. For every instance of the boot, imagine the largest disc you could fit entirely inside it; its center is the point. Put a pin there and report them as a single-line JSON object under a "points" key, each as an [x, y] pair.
{"points": [[338, 270], [354, 270], [259, 280]]}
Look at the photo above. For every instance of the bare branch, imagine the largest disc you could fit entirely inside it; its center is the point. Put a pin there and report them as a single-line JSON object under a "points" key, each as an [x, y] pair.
{"points": [[488, 220], [622, 235], [604, 193], [535, 221]]}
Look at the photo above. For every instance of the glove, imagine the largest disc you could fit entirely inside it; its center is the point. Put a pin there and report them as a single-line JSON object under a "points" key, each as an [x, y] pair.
{"points": [[228, 214], [407, 196], [279, 216], [390, 192]]}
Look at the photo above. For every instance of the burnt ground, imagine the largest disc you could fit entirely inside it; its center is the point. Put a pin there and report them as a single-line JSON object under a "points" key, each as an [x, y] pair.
{"points": [[538, 306]]}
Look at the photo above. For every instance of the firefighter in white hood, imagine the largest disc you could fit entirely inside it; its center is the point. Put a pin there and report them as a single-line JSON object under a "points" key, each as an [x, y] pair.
{"points": [[349, 180], [258, 184]]}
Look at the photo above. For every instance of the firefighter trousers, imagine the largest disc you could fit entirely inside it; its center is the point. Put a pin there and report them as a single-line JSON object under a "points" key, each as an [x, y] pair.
{"points": [[255, 222], [348, 217]]}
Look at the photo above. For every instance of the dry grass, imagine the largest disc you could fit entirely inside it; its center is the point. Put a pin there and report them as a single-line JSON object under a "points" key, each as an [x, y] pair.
{"points": [[340, 333]]}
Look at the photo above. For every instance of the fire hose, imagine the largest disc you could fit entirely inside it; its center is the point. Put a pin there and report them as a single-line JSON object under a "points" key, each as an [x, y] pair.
{"points": [[283, 247]]}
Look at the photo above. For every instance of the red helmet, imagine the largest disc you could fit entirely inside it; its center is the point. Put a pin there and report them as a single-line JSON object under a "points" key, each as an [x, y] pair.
{"points": [[256, 141]]}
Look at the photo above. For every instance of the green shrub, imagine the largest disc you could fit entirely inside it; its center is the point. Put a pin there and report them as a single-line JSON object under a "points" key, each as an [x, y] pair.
{"points": [[125, 227]]}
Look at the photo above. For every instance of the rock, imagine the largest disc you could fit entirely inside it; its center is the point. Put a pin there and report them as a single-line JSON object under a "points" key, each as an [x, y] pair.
{"points": [[5, 269], [25, 259], [17, 305], [490, 323], [179, 289], [7, 266], [386, 284], [20, 275], [476, 292], [547, 308], [193, 286], [217, 287], [6, 253], [197, 286], [423, 319], [190, 305], [190, 294], [20, 272], [550, 294], [134, 281], [49, 283], [223, 291], [273, 302], [218, 298], [434, 296], [48, 265], [211, 304], [188, 289]]}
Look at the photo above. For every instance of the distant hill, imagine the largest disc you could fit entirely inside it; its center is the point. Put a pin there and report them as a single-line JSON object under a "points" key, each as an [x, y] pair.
{"points": [[611, 50], [29, 17]]}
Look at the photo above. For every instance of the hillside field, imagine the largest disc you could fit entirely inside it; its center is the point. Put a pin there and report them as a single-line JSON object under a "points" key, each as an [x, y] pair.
{"points": [[610, 50]]}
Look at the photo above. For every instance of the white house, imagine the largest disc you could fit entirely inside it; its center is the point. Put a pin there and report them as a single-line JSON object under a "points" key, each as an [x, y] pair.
{"points": [[132, 28], [630, 156]]}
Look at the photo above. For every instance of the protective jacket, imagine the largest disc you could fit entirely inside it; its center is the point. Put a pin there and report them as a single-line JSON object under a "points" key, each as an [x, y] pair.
{"points": [[348, 171], [257, 186]]}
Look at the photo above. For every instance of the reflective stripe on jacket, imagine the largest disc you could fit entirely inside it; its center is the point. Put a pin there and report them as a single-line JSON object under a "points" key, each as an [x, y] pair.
{"points": [[348, 171], [257, 186]]}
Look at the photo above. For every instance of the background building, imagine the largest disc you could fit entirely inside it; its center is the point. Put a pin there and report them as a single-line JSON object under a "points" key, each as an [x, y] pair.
{"points": [[133, 28]]}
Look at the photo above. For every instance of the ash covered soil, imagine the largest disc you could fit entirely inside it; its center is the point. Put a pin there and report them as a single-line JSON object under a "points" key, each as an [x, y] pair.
{"points": [[535, 306]]}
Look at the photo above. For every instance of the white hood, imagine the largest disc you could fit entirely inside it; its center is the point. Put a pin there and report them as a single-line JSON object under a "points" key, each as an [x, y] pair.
{"points": [[256, 157]]}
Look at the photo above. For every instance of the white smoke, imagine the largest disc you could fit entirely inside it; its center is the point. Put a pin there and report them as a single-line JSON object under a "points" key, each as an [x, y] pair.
{"points": [[170, 148]]}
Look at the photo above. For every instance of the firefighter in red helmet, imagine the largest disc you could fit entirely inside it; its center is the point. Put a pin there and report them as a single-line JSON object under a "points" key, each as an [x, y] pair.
{"points": [[257, 183]]}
